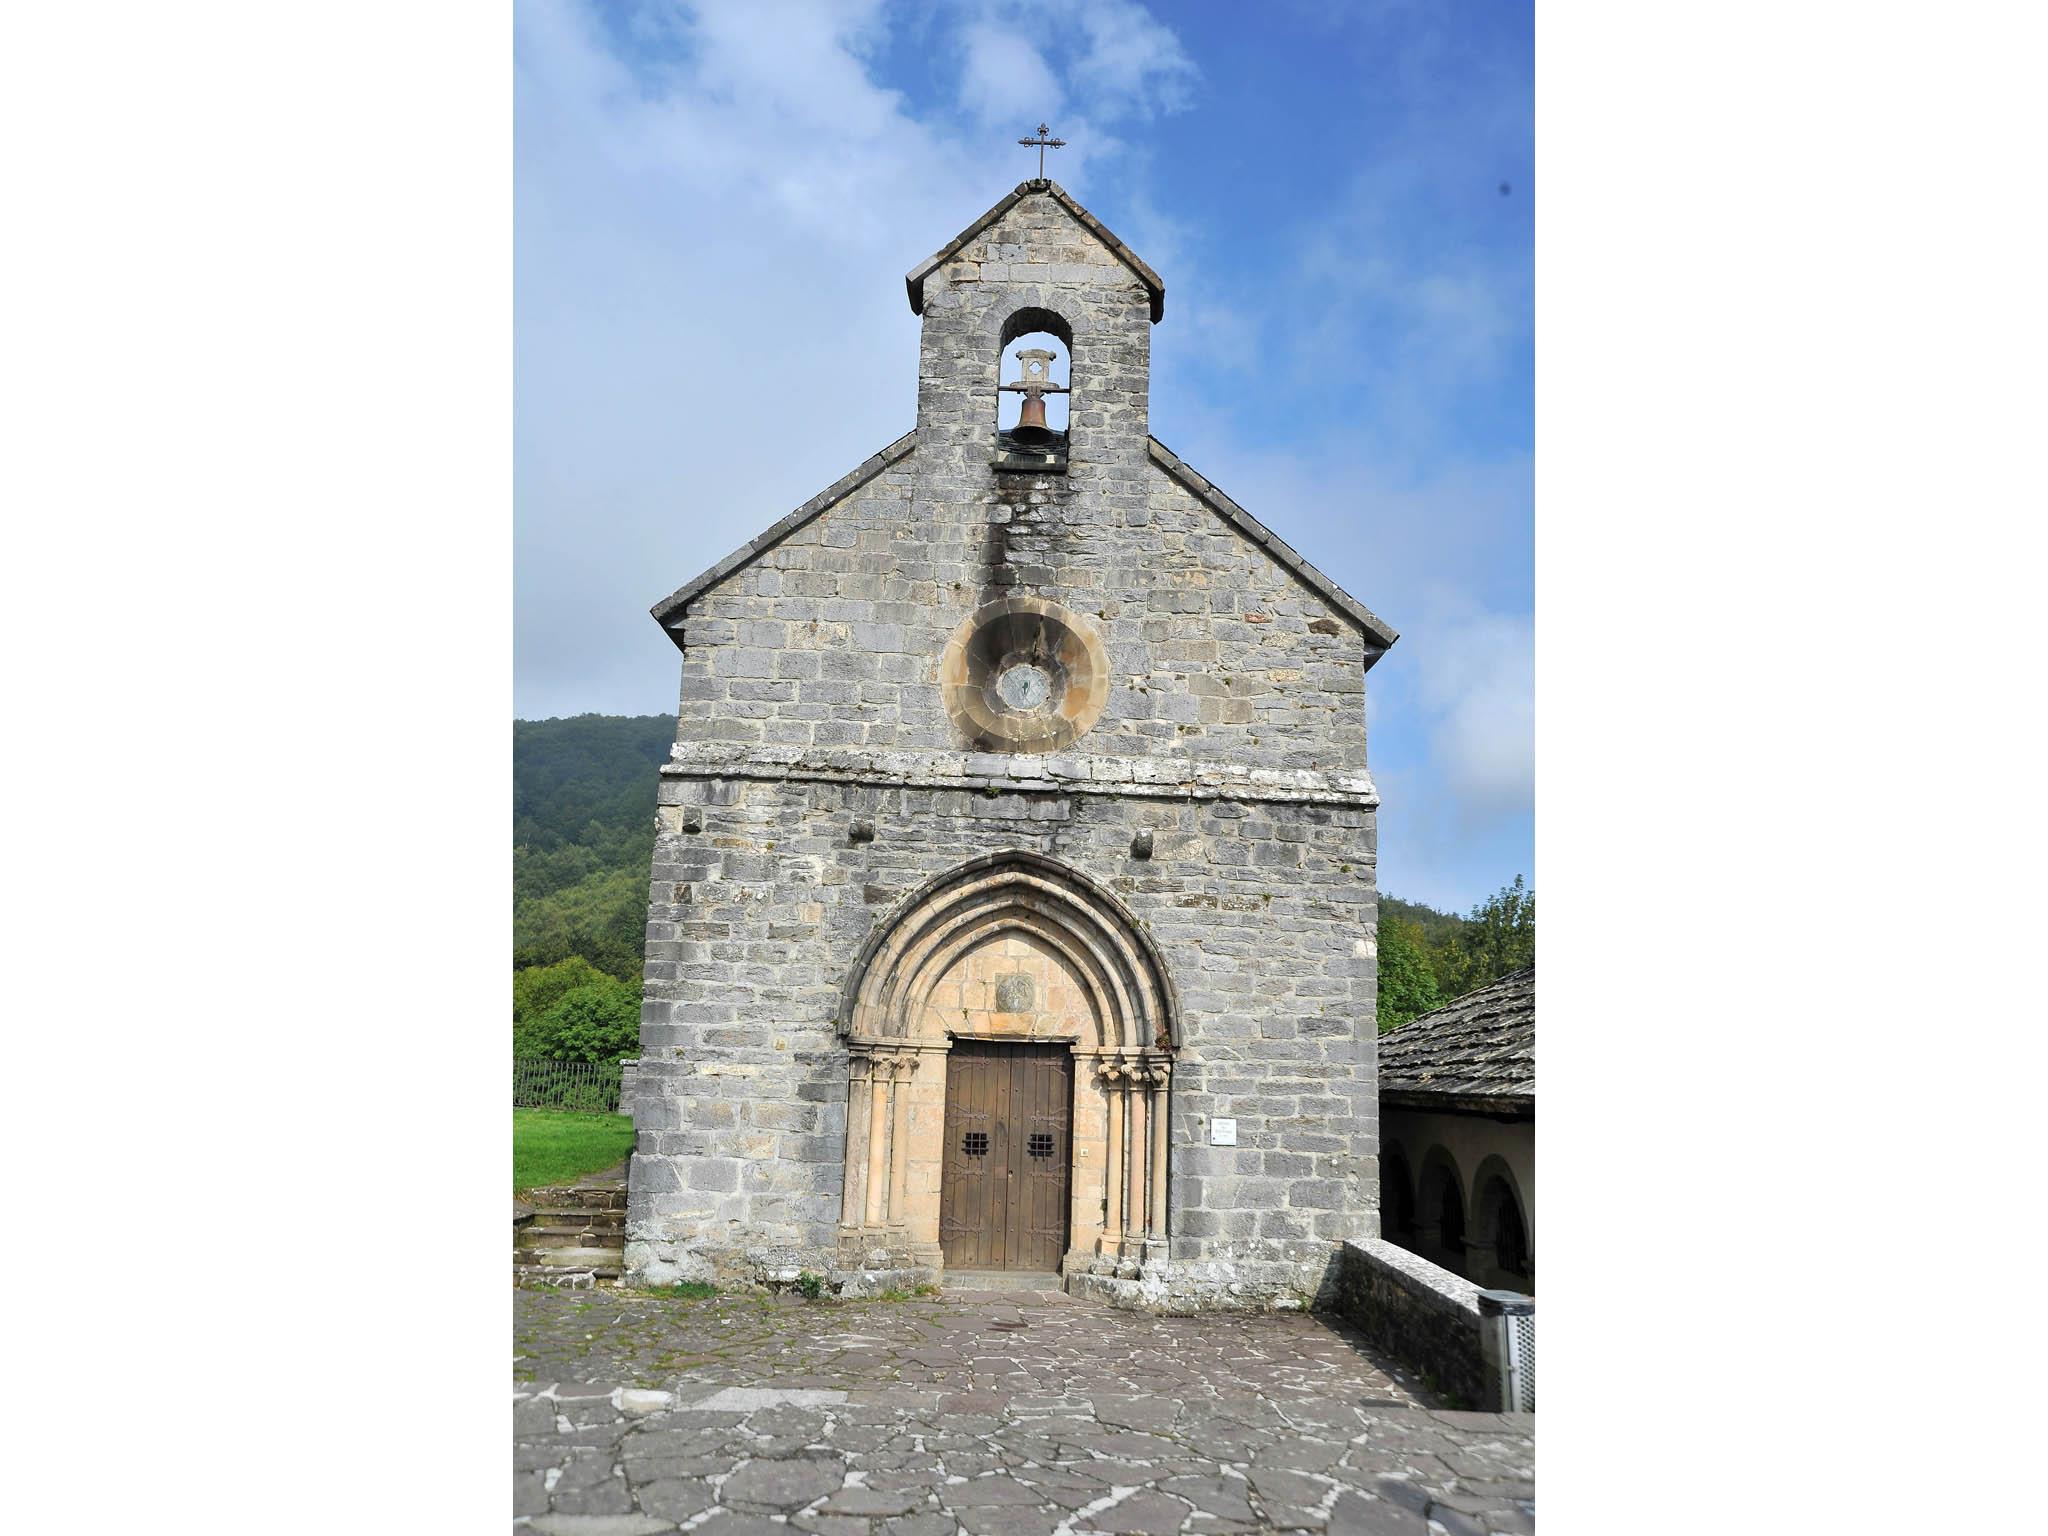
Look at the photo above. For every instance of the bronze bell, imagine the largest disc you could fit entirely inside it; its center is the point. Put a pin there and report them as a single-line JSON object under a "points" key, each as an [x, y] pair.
{"points": [[1031, 426], [1034, 386]]}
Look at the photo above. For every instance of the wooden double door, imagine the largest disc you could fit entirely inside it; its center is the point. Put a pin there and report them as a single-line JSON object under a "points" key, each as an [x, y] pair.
{"points": [[1003, 1188]]}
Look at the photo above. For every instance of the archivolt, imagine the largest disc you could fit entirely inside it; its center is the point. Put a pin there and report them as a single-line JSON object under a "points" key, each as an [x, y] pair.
{"points": [[1012, 892]]}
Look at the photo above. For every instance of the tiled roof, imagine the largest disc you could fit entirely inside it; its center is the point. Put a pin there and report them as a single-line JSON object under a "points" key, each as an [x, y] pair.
{"points": [[1476, 1053]]}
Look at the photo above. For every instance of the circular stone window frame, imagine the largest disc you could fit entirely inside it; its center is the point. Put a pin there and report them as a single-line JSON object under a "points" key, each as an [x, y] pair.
{"points": [[1032, 631]]}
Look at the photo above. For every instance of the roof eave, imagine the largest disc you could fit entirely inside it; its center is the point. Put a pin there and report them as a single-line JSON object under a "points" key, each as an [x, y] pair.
{"points": [[1500, 1106], [669, 612], [1379, 635]]}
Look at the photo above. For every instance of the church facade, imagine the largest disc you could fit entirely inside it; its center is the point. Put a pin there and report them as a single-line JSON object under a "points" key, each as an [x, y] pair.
{"points": [[1013, 901]]}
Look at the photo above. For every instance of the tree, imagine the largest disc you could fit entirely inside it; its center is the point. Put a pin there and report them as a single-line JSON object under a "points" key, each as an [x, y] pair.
{"points": [[537, 988], [597, 1021], [1407, 984], [1498, 936]]}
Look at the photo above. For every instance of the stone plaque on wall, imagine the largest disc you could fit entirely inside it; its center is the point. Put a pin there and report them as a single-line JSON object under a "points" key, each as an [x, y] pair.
{"points": [[1015, 993]]}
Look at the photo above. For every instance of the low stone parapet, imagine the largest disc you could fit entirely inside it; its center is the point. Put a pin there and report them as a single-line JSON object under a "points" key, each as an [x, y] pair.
{"points": [[1418, 1312]]}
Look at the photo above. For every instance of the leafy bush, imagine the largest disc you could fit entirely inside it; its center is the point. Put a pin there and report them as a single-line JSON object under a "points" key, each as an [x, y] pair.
{"points": [[537, 988], [810, 1286], [596, 1021]]}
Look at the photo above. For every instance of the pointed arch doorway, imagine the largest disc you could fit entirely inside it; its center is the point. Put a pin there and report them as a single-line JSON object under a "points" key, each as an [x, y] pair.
{"points": [[1011, 1036]]}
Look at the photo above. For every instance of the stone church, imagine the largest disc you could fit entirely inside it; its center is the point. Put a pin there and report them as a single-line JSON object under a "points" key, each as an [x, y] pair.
{"points": [[1013, 894]]}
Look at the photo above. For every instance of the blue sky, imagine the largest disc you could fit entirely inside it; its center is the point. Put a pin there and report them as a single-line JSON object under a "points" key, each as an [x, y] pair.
{"points": [[716, 204]]}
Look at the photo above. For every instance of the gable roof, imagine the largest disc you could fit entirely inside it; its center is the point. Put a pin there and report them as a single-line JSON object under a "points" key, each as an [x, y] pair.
{"points": [[1477, 1053], [1154, 284], [1378, 633]]}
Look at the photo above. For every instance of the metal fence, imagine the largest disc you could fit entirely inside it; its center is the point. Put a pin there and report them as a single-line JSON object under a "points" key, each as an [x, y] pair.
{"points": [[538, 1083]]}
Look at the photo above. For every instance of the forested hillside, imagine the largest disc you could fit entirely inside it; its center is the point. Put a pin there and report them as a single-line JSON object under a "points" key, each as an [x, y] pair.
{"points": [[583, 837], [583, 794]]}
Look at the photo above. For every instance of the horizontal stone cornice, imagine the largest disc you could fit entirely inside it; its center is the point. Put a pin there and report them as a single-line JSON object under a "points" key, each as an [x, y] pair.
{"points": [[1158, 778]]}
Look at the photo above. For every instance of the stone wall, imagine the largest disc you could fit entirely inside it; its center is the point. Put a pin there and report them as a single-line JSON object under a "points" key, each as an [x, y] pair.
{"points": [[1257, 896], [1423, 1315], [833, 637]]}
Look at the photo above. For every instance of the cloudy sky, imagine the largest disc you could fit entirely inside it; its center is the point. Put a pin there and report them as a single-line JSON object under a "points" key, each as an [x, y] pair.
{"points": [[716, 204]]}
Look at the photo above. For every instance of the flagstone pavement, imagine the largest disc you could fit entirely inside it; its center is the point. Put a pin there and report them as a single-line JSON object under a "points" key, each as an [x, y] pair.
{"points": [[989, 1413]]}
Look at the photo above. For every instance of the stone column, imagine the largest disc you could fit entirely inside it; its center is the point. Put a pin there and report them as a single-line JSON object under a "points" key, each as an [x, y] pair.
{"points": [[853, 1202], [1161, 1075], [1110, 1073], [878, 1130], [902, 1069], [1140, 1146]]}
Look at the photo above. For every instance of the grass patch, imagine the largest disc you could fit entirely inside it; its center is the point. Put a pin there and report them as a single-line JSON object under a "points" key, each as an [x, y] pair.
{"points": [[684, 1290], [550, 1146]]}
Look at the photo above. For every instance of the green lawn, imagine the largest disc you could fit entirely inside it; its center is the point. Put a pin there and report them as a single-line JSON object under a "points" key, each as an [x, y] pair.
{"points": [[552, 1146]]}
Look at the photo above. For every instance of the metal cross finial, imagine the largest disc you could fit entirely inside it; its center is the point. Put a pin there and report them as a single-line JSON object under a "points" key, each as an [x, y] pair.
{"points": [[1042, 143]]}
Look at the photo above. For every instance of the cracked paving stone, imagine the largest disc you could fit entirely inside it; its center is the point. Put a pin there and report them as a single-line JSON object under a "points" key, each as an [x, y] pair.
{"points": [[726, 1523], [982, 1492], [1008, 1520], [1142, 1514], [781, 1485], [1281, 1517], [1222, 1425], [606, 1498], [1300, 1456], [583, 1468], [920, 1525], [1146, 1413], [1274, 1485], [1356, 1515], [830, 1525], [868, 1502], [675, 1498], [600, 1525], [1221, 1496]]}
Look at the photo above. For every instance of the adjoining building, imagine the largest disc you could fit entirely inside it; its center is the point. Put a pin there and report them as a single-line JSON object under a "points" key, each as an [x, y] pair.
{"points": [[1458, 1135], [1013, 889]]}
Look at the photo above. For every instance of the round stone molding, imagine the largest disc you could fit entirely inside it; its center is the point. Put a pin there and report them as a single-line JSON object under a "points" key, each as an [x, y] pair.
{"points": [[1024, 675]]}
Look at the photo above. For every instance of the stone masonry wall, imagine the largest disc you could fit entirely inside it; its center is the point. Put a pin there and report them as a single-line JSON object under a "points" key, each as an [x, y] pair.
{"points": [[1261, 906], [833, 636], [1418, 1312]]}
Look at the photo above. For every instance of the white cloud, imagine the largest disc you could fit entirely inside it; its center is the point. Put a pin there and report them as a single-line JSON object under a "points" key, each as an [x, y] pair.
{"points": [[1131, 58], [1004, 78], [1024, 60], [1477, 683]]}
